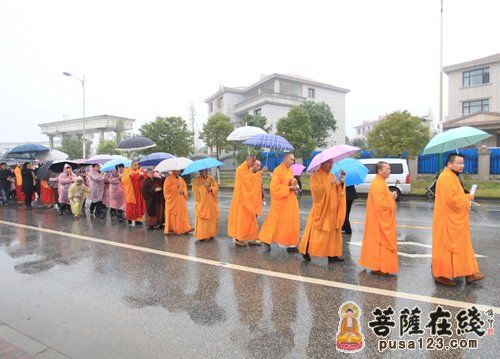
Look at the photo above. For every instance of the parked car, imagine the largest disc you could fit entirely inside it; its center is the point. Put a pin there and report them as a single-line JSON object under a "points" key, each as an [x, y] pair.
{"points": [[398, 181]]}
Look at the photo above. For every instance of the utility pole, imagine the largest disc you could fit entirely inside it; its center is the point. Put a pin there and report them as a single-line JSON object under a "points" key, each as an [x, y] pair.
{"points": [[192, 119]]}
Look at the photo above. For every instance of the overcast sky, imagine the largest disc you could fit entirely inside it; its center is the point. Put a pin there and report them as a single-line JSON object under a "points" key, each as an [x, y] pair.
{"points": [[144, 59]]}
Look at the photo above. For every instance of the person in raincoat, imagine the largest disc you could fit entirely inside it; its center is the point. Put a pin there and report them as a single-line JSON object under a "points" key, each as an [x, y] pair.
{"points": [[77, 193], [116, 193], [96, 179], [65, 179]]}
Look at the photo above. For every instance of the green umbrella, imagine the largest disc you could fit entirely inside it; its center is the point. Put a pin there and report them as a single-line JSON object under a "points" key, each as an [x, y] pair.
{"points": [[454, 138]]}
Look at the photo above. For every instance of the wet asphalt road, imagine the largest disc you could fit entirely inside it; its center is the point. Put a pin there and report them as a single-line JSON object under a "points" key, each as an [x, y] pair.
{"points": [[96, 300]]}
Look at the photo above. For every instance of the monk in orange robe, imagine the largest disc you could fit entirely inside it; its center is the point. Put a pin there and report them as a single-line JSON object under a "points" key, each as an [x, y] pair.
{"points": [[452, 252], [135, 207], [323, 234], [379, 251], [206, 210], [19, 183], [176, 214], [246, 204], [282, 224]]}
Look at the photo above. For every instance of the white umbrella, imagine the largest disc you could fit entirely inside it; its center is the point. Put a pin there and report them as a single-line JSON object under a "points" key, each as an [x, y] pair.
{"points": [[172, 164], [53, 155], [244, 133]]}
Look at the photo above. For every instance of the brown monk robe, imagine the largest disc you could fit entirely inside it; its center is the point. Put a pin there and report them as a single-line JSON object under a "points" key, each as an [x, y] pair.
{"points": [[176, 214], [452, 252], [152, 192], [246, 204], [282, 224], [323, 234], [379, 251], [206, 222]]}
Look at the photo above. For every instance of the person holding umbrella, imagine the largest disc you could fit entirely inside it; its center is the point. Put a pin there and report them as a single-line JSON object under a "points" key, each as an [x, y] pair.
{"points": [[452, 252], [19, 183], [322, 236], [282, 224], [116, 192], [77, 193], [176, 214], [205, 190], [6, 175], [96, 179], [135, 206], [28, 184], [152, 192], [65, 180]]}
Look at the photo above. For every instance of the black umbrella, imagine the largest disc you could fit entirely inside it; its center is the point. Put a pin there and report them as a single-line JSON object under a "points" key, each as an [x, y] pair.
{"points": [[58, 166], [43, 172], [135, 144]]}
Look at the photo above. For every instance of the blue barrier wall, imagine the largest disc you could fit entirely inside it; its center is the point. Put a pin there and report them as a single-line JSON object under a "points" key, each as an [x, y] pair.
{"points": [[495, 161]]}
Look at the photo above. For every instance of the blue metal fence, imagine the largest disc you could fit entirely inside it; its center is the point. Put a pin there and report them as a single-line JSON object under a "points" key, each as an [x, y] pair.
{"points": [[495, 161]]}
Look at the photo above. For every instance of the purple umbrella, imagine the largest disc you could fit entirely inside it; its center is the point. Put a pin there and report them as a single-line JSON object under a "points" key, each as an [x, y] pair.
{"points": [[102, 159], [297, 169], [335, 153]]}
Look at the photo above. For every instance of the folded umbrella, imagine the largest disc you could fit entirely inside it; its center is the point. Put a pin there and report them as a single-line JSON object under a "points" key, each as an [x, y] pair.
{"points": [[111, 165], [43, 172], [135, 144], [355, 171], [203, 164], [455, 138], [335, 153], [297, 169], [173, 164], [154, 158], [244, 133]]}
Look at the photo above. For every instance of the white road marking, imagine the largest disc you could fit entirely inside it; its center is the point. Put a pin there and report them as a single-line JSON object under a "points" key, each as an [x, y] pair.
{"points": [[270, 273], [411, 255]]}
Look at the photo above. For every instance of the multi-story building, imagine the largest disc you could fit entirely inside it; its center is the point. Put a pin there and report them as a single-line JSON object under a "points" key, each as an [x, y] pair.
{"points": [[274, 95], [474, 96], [363, 129]]}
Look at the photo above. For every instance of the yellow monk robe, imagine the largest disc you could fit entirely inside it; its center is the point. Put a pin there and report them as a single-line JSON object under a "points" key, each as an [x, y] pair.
{"points": [[379, 251], [246, 205], [282, 224], [19, 183], [206, 223], [134, 203], [176, 214], [452, 252], [323, 234]]}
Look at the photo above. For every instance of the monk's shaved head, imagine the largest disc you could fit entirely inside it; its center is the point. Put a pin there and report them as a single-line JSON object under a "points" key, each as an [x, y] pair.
{"points": [[452, 157], [289, 159], [455, 162], [383, 169], [380, 165]]}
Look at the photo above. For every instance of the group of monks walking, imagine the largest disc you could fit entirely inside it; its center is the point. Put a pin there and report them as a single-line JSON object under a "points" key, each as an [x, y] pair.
{"points": [[144, 195]]}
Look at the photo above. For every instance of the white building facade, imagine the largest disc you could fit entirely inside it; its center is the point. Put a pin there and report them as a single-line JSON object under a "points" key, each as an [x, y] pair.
{"points": [[273, 96], [474, 96]]}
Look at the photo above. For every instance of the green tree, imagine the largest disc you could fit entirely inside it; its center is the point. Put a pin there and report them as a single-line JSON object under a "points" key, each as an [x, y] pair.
{"points": [[215, 132], [73, 147], [322, 121], [359, 142], [107, 147], [297, 129], [256, 121], [398, 132], [170, 134]]}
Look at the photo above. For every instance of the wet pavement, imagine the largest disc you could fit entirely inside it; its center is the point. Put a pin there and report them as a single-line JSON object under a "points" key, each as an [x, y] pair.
{"points": [[139, 294]]}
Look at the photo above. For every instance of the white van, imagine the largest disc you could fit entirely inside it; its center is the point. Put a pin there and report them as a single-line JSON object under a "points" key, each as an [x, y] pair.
{"points": [[398, 181]]}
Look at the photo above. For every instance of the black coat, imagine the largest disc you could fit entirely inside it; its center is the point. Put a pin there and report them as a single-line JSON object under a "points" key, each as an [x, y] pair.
{"points": [[28, 180], [351, 194]]}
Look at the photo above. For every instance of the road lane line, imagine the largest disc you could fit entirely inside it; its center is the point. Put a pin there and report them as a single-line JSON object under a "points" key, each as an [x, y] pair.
{"points": [[297, 278]]}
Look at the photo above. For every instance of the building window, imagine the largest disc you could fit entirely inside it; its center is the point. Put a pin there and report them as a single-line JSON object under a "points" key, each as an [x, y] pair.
{"points": [[476, 77], [210, 107], [257, 112], [475, 106], [311, 93]]}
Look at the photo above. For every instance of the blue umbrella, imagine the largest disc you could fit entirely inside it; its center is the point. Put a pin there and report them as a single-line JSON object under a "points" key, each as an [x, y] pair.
{"points": [[154, 158], [355, 171], [267, 140], [202, 164], [29, 148], [111, 165]]}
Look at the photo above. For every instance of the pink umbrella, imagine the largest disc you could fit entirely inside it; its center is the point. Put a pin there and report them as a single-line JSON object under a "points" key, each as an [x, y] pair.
{"points": [[335, 153], [297, 169]]}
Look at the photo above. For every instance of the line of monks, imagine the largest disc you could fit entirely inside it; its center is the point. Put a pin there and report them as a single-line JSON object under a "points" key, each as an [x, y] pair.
{"points": [[162, 200]]}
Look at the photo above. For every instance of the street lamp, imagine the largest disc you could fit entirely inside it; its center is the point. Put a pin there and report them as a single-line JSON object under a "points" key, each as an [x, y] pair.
{"points": [[82, 81]]}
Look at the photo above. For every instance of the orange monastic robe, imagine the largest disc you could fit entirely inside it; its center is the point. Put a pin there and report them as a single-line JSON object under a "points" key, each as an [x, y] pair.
{"points": [[134, 202], [176, 214], [206, 210], [323, 234], [282, 224], [379, 251], [19, 183], [452, 252], [246, 205]]}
